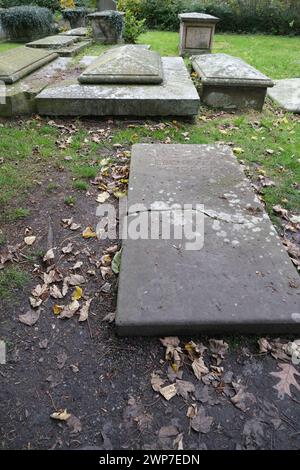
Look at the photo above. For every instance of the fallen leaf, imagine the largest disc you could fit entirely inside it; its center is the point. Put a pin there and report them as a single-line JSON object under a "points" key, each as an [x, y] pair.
{"points": [[110, 317], [49, 255], [61, 415], [89, 233], [218, 347], [168, 431], [29, 240], [35, 302], [184, 388], [75, 280], [68, 248], [70, 309], [286, 380], [77, 265], [264, 345], [55, 292], [168, 392], [77, 294], [199, 368], [84, 311], [116, 262], [102, 197], [156, 382], [57, 309], [30, 318], [201, 422], [242, 399]]}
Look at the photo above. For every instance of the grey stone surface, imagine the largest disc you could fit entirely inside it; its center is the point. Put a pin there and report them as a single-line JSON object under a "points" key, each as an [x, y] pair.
{"points": [[287, 94], [125, 64], [196, 33], [106, 5], [104, 31], [238, 282], [176, 96], [81, 32], [54, 42], [19, 62], [229, 82], [20, 96], [73, 49]]}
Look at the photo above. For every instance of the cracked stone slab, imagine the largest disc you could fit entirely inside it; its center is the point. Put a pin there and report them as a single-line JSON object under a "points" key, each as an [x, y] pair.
{"points": [[287, 94], [240, 281], [21, 61], [54, 42], [176, 96], [125, 64]]}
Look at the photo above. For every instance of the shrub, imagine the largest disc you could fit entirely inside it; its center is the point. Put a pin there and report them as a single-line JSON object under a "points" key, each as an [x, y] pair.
{"points": [[162, 15], [50, 4], [27, 22], [134, 24]]}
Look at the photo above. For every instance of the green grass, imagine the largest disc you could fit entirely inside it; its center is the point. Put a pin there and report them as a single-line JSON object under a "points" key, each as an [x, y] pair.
{"points": [[30, 146], [11, 279], [6, 46]]}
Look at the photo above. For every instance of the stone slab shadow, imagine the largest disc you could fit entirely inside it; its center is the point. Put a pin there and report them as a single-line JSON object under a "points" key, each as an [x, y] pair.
{"points": [[239, 282], [230, 83], [286, 93]]}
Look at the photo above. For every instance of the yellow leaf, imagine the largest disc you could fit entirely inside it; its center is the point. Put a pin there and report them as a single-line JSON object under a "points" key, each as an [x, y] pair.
{"points": [[238, 150], [119, 194], [57, 309], [89, 233], [77, 294], [61, 415]]}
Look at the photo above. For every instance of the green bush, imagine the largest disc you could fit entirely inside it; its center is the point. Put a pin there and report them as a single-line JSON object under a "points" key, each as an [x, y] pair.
{"points": [[240, 16], [75, 16], [27, 22], [51, 4], [134, 24]]}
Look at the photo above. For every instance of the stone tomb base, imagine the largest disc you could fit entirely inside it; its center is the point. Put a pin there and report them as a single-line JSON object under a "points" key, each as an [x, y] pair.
{"points": [[239, 282], [63, 45], [287, 94], [176, 96]]}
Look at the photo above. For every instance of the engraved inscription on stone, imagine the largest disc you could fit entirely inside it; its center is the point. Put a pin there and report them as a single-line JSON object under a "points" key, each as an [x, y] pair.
{"points": [[198, 38]]}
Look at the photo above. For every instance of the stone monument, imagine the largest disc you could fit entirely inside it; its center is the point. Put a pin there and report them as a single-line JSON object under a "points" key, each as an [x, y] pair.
{"points": [[196, 33], [103, 5], [107, 26]]}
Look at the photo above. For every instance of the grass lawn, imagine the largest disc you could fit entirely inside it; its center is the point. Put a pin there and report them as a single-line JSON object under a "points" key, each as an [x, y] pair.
{"points": [[268, 142]]}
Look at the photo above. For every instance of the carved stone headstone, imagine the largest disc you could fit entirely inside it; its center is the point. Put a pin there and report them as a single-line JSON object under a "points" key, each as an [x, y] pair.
{"points": [[107, 26], [106, 5], [196, 33], [125, 64]]}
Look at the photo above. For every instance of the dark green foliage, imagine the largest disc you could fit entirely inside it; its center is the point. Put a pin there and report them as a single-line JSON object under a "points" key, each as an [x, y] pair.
{"points": [[133, 27], [26, 22], [51, 4], [241, 16]]}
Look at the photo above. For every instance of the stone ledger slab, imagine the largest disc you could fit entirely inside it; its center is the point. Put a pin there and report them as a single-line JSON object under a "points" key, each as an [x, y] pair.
{"points": [[287, 94], [19, 62], [229, 82], [81, 32], [176, 96], [240, 281], [20, 96], [73, 49], [125, 64], [54, 42]]}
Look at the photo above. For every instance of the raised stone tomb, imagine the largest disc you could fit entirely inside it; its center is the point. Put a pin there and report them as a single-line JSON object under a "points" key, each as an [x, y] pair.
{"points": [[54, 42], [230, 83], [125, 64], [196, 33], [175, 96], [240, 281], [21, 61], [287, 94]]}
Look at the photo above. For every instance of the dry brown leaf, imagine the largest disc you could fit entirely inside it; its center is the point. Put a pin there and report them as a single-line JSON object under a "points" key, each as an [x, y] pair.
{"points": [[286, 380], [110, 317], [55, 292], [168, 392], [49, 256], [35, 302], [84, 311], [68, 248], [243, 399], [201, 422], [30, 318], [29, 240], [199, 368], [264, 345], [69, 310], [61, 415], [184, 388], [156, 382], [75, 280]]}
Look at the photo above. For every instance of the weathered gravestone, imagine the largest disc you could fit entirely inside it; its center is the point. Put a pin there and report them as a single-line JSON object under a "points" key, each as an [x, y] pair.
{"points": [[124, 88], [54, 42], [81, 32], [196, 33], [107, 26], [241, 280], [19, 62], [106, 5], [230, 83], [125, 64], [287, 94]]}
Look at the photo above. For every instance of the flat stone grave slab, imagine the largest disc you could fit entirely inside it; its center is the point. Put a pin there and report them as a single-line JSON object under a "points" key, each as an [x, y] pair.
{"points": [[21, 61], [125, 64], [176, 96], [20, 96], [239, 281], [287, 94], [81, 32], [229, 82], [54, 42], [73, 49]]}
